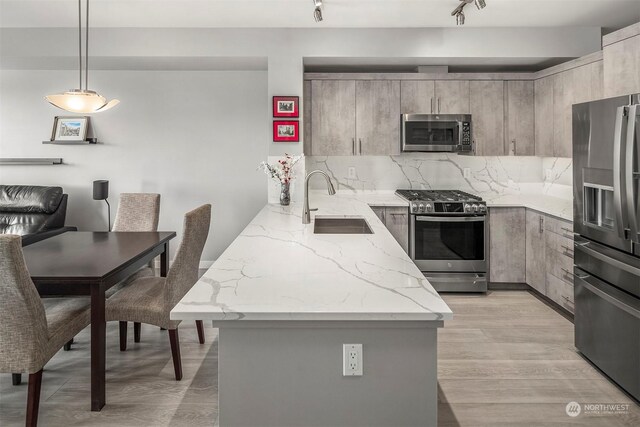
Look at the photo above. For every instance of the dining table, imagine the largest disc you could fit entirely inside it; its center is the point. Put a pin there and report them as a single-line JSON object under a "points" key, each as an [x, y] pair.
{"points": [[89, 263]]}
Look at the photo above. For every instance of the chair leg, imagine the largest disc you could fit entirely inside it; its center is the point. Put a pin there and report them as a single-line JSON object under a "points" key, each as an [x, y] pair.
{"points": [[123, 335], [16, 379], [67, 345], [136, 331], [175, 353], [200, 328], [33, 398]]}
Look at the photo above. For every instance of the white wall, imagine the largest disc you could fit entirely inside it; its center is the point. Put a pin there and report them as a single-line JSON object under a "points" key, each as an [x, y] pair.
{"points": [[193, 136]]}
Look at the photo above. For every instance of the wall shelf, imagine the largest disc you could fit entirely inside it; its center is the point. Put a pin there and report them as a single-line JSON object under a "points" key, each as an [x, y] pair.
{"points": [[70, 142], [33, 161]]}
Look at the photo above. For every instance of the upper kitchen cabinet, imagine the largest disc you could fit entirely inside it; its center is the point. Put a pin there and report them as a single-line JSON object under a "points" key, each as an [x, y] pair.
{"points": [[543, 95], [520, 135], [487, 111], [417, 96], [333, 117], [378, 117], [562, 114], [452, 97], [622, 62]]}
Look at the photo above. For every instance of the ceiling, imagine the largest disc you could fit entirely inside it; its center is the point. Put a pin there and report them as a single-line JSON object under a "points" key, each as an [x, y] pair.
{"points": [[608, 14]]}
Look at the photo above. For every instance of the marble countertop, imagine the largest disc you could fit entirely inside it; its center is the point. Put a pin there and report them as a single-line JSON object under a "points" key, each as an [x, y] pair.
{"points": [[277, 269], [550, 205]]}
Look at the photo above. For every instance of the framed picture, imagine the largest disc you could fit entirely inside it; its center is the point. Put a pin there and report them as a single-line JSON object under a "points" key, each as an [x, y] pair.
{"points": [[286, 131], [66, 128], [285, 106]]}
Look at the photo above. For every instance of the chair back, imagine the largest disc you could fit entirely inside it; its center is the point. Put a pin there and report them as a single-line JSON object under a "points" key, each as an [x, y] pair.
{"points": [[137, 212], [183, 273], [23, 321]]}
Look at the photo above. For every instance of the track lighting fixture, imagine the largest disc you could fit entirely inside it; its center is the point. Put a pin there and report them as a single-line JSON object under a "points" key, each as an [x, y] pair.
{"points": [[317, 12], [458, 12]]}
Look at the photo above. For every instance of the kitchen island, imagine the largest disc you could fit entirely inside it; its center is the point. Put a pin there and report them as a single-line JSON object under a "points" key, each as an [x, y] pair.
{"points": [[285, 301]]}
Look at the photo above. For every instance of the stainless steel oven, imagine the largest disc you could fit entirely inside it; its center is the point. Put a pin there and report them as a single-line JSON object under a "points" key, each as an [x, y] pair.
{"points": [[448, 238], [437, 133]]}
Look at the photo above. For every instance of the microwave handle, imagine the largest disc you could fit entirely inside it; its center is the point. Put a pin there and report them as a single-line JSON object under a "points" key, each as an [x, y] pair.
{"points": [[618, 172], [630, 156]]}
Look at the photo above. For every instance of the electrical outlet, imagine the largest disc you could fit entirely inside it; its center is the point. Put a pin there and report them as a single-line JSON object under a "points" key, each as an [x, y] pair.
{"points": [[466, 172], [351, 360], [352, 173]]}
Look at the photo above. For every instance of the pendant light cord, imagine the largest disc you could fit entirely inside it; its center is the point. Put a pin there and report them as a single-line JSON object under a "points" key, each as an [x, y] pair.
{"points": [[80, 40]]}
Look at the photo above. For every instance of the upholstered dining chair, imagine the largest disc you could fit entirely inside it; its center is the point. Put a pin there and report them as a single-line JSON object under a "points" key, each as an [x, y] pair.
{"points": [[31, 332], [150, 299], [136, 212]]}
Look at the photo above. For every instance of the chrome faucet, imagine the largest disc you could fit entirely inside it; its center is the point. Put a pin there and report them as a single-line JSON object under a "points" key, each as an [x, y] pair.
{"points": [[306, 212]]}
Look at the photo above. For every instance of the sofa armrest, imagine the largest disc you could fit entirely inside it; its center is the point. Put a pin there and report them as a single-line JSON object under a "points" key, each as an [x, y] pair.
{"points": [[36, 237]]}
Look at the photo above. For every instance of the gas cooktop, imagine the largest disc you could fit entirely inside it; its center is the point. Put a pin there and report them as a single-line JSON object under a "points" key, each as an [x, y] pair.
{"points": [[443, 202]]}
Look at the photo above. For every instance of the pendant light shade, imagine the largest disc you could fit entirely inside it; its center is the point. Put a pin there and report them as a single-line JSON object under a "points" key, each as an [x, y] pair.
{"points": [[82, 100]]}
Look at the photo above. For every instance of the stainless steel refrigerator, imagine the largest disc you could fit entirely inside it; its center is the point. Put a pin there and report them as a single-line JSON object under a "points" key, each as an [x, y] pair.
{"points": [[606, 171]]}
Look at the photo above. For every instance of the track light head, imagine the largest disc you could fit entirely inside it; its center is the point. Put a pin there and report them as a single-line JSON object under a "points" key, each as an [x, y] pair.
{"points": [[480, 4], [460, 18], [317, 12]]}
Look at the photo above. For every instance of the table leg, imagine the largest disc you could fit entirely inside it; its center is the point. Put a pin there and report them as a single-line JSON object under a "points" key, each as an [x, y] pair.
{"points": [[98, 347], [164, 261]]}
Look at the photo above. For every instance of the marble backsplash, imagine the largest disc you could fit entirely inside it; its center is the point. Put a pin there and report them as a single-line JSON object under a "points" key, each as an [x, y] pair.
{"points": [[475, 174]]}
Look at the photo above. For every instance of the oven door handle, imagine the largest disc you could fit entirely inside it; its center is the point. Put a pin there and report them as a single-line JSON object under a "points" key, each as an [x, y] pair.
{"points": [[450, 218]]}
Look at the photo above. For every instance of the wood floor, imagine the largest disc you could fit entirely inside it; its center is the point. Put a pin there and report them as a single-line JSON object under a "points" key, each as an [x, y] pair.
{"points": [[506, 359]]}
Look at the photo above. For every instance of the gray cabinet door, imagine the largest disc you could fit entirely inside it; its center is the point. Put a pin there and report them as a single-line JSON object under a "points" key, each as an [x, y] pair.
{"points": [[417, 96], [622, 67], [563, 114], [507, 248], [487, 110], [587, 82], [379, 211], [535, 251], [333, 117], [520, 135], [543, 101], [378, 117], [452, 97], [397, 221]]}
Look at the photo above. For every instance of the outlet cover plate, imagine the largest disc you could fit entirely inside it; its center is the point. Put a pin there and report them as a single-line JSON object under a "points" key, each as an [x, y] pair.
{"points": [[352, 360]]}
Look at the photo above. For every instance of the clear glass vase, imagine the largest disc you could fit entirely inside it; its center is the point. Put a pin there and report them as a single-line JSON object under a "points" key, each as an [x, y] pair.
{"points": [[285, 196]]}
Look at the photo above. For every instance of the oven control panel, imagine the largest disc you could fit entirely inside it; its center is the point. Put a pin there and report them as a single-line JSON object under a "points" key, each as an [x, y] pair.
{"points": [[420, 207]]}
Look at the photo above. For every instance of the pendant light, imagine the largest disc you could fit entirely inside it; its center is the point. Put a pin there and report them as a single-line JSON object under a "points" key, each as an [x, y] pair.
{"points": [[82, 100]]}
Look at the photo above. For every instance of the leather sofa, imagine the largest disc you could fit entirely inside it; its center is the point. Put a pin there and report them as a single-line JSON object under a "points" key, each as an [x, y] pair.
{"points": [[33, 212]]}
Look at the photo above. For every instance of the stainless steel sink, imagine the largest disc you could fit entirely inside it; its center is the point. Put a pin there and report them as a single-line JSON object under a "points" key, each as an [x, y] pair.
{"points": [[341, 225]]}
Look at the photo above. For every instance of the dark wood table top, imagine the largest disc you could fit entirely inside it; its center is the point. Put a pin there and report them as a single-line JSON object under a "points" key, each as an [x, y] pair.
{"points": [[88, 255]]}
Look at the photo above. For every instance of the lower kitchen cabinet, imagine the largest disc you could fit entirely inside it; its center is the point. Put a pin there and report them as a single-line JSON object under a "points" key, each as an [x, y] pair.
{"points": [[549, 257], [507, 245], [535, 252], [396, 219]]}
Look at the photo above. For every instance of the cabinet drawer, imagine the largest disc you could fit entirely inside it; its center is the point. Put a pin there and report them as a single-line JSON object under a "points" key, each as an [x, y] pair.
{"points": [[559, 226], [560, 292], [559, 265], [559, 243]]}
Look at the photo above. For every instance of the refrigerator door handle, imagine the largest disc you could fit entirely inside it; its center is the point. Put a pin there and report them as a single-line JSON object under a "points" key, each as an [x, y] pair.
{"points": [[619, 165], [631, 155]]}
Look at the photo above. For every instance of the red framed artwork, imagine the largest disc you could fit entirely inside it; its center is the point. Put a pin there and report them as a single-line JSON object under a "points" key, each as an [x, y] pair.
{"points": [[285, 106], [286, 131]]}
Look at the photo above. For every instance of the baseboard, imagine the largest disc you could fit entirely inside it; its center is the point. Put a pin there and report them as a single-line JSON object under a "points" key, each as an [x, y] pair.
{"points": [[508, 286], [551, 303]]}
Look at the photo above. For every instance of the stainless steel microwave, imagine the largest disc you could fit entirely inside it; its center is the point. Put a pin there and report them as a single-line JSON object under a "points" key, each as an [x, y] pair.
{"points": [[437, 133]]}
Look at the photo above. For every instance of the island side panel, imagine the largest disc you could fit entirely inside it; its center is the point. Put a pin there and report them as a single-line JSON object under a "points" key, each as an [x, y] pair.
{"points": [[290, 373]]}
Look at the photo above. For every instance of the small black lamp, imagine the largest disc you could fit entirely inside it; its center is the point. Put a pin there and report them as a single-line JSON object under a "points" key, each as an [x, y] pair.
{"points": [[101, 192]]}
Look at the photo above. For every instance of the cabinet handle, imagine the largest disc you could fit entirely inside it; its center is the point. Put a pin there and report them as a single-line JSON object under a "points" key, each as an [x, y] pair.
{"points": [[541, 230], [515, 147], [353, 146], [567, 299], [438, 105], [567, 251], [360, 146], [567, 233], [432, 105], [568, 276]]}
